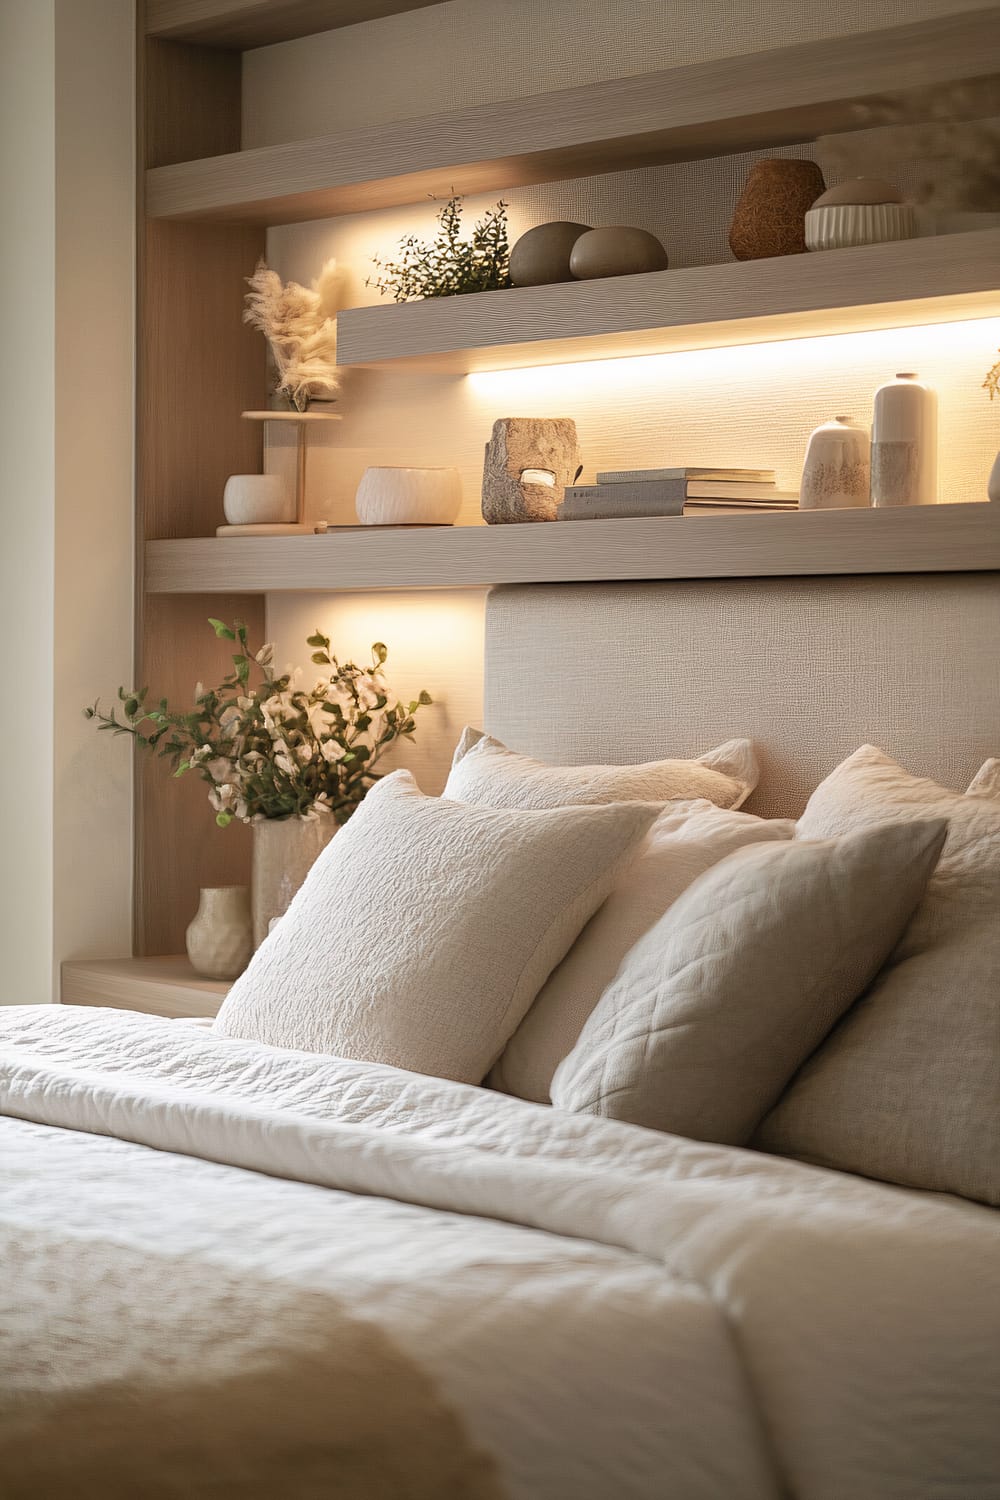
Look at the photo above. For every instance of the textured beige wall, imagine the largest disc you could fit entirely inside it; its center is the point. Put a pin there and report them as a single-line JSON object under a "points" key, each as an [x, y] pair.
{"points": [[65, 497], [749, 406]]}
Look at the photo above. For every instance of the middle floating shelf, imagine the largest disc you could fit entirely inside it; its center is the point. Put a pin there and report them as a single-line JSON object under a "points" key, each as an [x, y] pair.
{"points": [[918, 539], [938, 279]]}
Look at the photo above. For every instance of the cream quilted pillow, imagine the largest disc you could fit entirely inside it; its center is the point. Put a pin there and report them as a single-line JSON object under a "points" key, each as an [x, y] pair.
{"points": [[685, 841], [425, 929], [485, 772], [720, 1002], [907, 1088]]}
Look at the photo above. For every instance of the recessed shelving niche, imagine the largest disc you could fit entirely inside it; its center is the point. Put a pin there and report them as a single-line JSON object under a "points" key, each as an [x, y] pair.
{"points": [[938, 279], [242, 24], [782, 96]]}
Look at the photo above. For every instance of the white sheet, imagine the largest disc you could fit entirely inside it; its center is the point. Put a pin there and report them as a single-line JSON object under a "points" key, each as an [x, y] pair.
{"points": [[613, 1312]]}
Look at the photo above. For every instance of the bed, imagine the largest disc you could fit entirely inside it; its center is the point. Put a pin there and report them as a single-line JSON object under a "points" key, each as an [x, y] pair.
{"points": [[233, 1269]]}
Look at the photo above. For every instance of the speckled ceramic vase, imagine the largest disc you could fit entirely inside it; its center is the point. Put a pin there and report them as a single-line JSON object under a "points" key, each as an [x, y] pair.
{"points": [[835, 475], [284, 850], [770, 214], [220, 938]]}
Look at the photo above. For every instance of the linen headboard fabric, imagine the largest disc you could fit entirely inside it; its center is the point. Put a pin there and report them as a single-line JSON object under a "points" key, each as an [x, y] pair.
{"points": [[809, 668]]}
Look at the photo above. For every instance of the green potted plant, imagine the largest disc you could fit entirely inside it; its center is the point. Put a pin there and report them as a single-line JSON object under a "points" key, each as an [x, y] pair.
{"points": [[295, 762]]}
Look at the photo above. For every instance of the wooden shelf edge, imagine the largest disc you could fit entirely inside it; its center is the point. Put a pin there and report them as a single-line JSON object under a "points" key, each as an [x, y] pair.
{"points": [[157, 986], [931, 539], [244, 24], [940, 278], [785, 95]]}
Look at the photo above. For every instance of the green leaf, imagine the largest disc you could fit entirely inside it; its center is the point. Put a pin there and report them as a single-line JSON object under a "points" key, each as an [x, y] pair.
{"points": [[425, 697], [223, 632], [320, 658], [131, 707], [380, 652], [318, 640], [185, 765], [223, 819]]}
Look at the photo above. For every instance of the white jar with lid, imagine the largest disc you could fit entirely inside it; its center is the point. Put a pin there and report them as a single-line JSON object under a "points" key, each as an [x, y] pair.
{"points": [[904, 443], [835, 472]]}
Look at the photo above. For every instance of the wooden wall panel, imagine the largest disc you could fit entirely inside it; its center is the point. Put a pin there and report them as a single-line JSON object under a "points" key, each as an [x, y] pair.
{"points": [[198, 367]]}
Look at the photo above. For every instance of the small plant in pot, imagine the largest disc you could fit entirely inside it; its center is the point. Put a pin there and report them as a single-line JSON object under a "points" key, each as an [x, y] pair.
{"points": [[449, 266], [293, 761]]}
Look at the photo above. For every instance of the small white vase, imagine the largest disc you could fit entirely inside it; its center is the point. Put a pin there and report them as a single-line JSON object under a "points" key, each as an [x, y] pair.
{"points": [[842, 225], [284, 851], [835, 474], [904, 443], [257, 500], [408, 497], [993, 487], [220, 937]]}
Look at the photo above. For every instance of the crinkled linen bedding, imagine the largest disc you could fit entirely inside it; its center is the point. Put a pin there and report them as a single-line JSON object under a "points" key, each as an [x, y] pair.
{"points": [[235, 1271]]}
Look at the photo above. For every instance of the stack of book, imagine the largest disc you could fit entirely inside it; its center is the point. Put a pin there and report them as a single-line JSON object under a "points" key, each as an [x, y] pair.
{"points": [[674, 492]]}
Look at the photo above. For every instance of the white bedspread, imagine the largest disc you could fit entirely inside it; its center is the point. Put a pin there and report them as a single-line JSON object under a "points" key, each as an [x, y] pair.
{"points": [[610, 1314]]}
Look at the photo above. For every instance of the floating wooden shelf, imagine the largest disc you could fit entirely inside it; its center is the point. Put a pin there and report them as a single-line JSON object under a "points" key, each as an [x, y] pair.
{"points": [[159, 986], [933, 280], [758, 99], [242, 24], [930, 539]]}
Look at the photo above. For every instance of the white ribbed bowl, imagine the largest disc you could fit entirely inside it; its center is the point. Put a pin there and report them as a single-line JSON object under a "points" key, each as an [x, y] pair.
{"points": [[408, 497], [840, 225]]}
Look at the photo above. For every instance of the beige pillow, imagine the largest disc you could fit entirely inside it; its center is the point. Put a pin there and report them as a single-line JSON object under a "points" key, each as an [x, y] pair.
{"points": [[907, 1088], [485, 772], [686, 840], [720, 1002], [425, 929]]}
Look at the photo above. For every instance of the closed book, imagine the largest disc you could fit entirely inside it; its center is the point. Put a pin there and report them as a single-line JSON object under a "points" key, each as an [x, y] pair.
{"points": [[645, 476], [732, 489], [732, 508], [593, 502]]}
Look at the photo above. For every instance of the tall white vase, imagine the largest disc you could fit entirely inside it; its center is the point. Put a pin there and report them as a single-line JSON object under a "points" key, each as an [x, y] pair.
{"points": [[904, 443], [284, 851], [220, 937]]}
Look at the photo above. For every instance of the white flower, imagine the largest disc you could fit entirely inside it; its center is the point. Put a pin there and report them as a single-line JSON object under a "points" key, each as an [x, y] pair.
{"points": [[245, 703], [331, 751], [284, 764], [265, 655], [220, 769], [200, 755], [304, 753], [199, 691], [229, 719]]}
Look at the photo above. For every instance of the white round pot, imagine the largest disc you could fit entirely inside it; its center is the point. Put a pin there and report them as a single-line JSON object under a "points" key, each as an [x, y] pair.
{"points": [[408, 497], [257, 500], [835, 475], [842, 225]]}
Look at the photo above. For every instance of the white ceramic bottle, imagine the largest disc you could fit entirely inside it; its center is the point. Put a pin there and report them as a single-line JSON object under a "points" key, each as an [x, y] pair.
{"points": [[835, 473], [904, 443]]}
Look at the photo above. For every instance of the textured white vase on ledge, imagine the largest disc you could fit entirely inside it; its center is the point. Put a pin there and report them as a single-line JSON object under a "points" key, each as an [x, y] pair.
{"points": [[220, 937], [904, 443], [284, 851]]}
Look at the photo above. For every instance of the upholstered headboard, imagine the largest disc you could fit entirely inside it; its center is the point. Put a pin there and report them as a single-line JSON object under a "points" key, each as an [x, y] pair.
{"points": [[809, 668]]}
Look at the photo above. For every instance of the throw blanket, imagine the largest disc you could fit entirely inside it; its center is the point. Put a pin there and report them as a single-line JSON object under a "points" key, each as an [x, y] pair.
{"points": [[233, 1270]]}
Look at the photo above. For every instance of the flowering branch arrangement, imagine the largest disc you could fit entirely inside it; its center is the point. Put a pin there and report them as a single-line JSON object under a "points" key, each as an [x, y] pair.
{"points": [[300, 325], [992, 381], [270, 748], [449, 266]]}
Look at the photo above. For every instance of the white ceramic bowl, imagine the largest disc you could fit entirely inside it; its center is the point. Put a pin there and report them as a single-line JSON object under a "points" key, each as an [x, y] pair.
{"points": [[257, 500], [841, 225], [408, 497]]}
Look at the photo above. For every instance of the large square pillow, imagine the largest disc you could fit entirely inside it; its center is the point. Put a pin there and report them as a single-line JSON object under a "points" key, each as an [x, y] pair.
{"points": [[685, 841], [721, 1001], [485, 772], [426, 928], [907, 1088]]}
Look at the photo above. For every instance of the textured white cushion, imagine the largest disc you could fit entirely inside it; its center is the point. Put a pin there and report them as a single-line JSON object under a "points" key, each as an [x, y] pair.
{"points": [[685, 841], [720, 1002], [425, 929], [907, 1088], [485, 772]]}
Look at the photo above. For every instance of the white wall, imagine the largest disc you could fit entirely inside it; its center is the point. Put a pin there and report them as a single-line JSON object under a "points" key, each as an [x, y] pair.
{"points": [[750, 406], [66, 179]]}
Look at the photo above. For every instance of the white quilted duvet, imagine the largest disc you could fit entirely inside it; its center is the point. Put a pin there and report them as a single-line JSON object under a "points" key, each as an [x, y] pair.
{"points": [[614, 1314]]}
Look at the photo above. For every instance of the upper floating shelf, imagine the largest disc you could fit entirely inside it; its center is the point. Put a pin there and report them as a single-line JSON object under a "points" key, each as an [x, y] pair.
{"points": [[940, 279], [758, 99], [927, 539], [242, 24]]}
